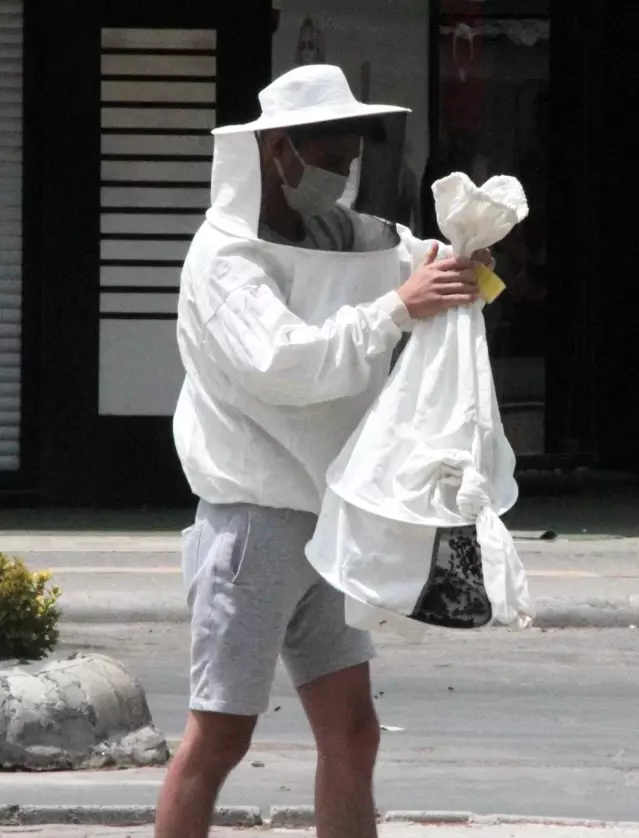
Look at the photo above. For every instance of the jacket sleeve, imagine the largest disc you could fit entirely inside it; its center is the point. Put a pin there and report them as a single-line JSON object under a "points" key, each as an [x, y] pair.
{"points": [[282, 360]]}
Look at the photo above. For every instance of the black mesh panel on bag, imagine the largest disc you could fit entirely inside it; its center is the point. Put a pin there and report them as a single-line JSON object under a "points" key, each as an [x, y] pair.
{"points": [[366, 153], [455, 596]]}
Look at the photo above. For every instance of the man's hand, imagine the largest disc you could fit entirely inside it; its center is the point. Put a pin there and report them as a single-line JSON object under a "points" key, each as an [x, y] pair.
{"points": [[437, 286]]}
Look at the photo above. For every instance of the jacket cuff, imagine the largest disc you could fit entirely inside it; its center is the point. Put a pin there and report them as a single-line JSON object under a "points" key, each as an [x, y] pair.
{"points": [[393, 305]]}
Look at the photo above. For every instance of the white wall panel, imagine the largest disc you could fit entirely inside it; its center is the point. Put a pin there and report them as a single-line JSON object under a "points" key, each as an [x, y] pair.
{"points": [[150, 167]]}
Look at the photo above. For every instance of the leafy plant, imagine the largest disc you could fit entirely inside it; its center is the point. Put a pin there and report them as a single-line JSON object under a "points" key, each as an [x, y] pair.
{"points": [[28, 611]]}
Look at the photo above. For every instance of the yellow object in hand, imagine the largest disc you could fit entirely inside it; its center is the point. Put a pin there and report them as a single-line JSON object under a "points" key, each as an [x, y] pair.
{"points": [[490, 285]]}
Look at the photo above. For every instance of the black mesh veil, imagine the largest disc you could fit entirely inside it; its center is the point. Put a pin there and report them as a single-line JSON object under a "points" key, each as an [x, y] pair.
{"points": [[333, 185]]}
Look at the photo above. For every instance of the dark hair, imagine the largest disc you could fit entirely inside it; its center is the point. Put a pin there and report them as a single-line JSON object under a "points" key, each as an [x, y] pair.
{"points": [[370, 127]]}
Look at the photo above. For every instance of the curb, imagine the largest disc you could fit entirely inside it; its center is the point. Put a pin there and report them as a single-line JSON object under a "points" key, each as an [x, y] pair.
{"points": [[281, 817], [556, 613], [116, 816]]}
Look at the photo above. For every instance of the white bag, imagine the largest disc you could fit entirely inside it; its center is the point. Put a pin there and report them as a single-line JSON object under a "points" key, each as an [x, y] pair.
{"points": [[430, 457]]}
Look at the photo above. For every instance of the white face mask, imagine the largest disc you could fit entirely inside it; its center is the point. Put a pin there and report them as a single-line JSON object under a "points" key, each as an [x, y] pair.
{"points": [[318, 190]]}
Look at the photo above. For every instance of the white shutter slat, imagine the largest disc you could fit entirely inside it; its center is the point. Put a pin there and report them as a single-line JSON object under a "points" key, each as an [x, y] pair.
{"points": [[9, 427], [158, 197], [11, 227], [140, 277], [9, 201], [197, 119], [8, 463], [158, 91], [10, 81], [10, 240], [135, 170], [11, 302], [174, 145], [10, 375], [165, 225], [159, 65], [11, 115], [10, 315], [142, 251], [9, 345], [10, 96], [12, 7], [9, 454], [11, 137], [163, 39], [10, 330], [10, 280], [111, 303], [12, 110], [9, 389]]}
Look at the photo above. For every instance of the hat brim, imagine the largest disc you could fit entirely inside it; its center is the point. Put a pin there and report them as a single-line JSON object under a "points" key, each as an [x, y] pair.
{"points": [[308, 116]]}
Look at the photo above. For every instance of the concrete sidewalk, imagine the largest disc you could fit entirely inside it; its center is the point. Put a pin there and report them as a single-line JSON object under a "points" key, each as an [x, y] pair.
{"points": [[119, 577], [391, 830]]}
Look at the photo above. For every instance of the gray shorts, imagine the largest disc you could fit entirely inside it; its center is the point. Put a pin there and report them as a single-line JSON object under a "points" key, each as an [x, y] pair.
{"points": [[253, 596]]}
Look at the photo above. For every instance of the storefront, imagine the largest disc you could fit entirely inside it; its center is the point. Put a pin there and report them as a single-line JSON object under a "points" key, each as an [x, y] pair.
{"points": [[490, 116], [106, 109], [105, 114]]}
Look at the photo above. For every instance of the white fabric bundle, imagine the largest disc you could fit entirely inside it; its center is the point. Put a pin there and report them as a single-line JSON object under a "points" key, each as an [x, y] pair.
{"points": [[431, 453]]}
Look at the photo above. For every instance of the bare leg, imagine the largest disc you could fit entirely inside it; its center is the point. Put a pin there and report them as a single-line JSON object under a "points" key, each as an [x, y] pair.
{"points": [[212, 746], [341, 713]]}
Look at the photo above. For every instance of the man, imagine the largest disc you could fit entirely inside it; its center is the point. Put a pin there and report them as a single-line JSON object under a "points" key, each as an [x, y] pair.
{"points": [[288, 318]]}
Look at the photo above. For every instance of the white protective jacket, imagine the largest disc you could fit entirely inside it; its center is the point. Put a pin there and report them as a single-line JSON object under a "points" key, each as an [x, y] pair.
{"points": [[285, 349]]}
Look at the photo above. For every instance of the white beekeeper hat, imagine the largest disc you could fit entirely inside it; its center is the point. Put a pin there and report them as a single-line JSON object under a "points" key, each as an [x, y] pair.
{"points": [[313, 93]]}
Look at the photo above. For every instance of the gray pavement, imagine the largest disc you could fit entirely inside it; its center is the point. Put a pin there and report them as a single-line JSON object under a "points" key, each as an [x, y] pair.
{"points": [[539, 723], [135, 577]]}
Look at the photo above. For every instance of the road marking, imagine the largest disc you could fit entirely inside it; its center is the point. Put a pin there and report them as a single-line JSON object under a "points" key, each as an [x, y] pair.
{"points": [[175, 569], [565, 574], [124, 570], [95, 543]]}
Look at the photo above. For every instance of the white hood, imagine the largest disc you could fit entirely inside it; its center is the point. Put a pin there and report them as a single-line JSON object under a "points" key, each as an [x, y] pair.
{"points": [[305, 95], [236, 186]]}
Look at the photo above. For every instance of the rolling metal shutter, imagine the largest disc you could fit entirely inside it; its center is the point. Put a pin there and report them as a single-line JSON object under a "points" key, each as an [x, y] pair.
{"points": [[11, 17]]}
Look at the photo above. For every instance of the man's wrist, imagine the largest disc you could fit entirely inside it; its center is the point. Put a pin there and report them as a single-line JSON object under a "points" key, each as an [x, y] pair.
{"points": [[393, 305]]}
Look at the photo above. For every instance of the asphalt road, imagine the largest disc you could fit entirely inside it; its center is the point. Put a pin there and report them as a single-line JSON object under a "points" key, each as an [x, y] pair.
{"points": [[534, 723]]}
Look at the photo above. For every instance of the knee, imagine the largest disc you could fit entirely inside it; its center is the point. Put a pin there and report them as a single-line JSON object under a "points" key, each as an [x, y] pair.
{"points": [[215, 744], [354, 744]]}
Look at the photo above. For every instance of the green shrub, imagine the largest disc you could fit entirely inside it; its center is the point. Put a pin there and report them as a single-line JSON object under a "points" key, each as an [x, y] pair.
{"points": [[28, 612]]}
